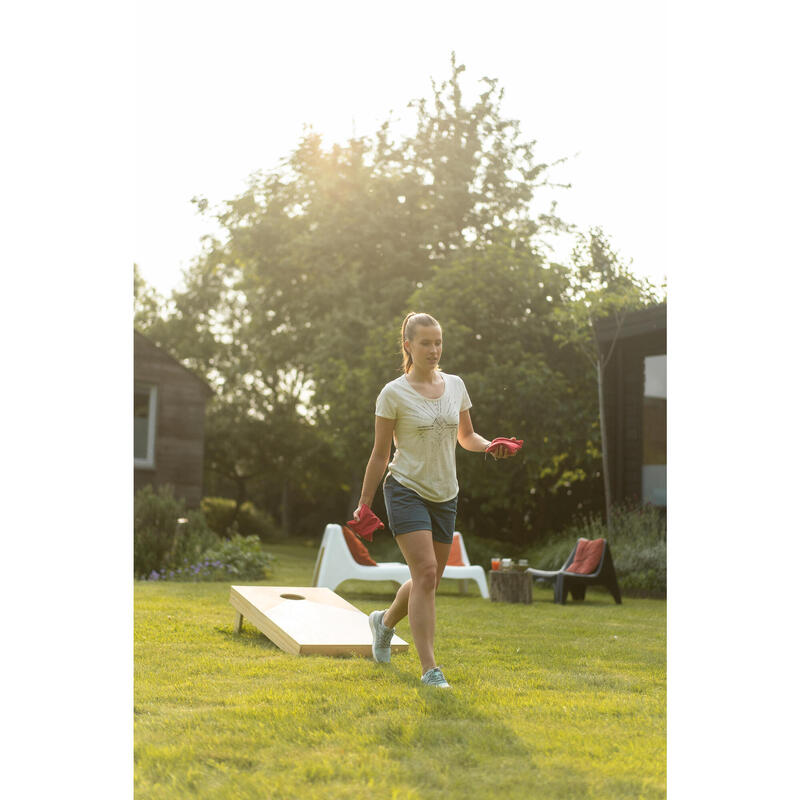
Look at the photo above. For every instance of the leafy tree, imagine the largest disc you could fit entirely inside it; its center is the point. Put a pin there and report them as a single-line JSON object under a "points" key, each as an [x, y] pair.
{"points": [[293, 315], [148, 304], [296, 308], [602, 287], [497, 309]]}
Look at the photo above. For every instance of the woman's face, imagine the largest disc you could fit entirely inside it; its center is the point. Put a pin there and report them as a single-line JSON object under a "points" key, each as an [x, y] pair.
{"points": [[426, 346]]}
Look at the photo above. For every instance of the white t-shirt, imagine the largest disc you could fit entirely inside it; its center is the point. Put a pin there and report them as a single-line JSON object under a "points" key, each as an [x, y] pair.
{"points": [[425, 435]]}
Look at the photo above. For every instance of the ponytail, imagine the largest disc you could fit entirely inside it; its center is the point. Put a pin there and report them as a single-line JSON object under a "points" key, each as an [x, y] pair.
{"points": [[407, 360]]}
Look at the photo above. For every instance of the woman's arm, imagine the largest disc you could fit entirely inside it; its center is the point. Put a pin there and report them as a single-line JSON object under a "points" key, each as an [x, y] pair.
{"points": [[378, 460], [474, 442]]}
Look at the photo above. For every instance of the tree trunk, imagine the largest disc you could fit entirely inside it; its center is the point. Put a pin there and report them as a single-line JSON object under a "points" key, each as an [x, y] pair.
{"points": [[509, 587], [604, 445], [241, 496], [285, 515]]}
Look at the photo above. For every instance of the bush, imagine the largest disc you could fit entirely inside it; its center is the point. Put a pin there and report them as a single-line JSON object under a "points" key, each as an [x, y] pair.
{"points": [[240, 557], [638, 544], [155, 517], [159, 541], [195, 537], [220, 513]]}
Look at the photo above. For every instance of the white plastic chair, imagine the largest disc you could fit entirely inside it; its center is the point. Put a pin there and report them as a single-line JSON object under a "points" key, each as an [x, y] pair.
{"points": [[335, 564], [469, 572]]}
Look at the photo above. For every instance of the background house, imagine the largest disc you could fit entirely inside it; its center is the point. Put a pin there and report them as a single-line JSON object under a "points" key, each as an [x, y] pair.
{"points": [[635, 397], [169, 404]]}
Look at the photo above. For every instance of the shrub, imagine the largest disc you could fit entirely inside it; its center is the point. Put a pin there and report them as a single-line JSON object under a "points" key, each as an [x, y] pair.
{"points": [[220, 513], [155, 517], [194, 538], [638, 544], [159, 541], [240, 557]]}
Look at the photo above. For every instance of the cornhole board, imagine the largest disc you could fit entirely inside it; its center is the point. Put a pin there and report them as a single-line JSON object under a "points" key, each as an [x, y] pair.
{"points": [[305, 620]]}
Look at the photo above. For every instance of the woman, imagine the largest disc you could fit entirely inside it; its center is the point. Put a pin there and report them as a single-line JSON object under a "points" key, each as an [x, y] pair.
{"points": [[425, 411]]}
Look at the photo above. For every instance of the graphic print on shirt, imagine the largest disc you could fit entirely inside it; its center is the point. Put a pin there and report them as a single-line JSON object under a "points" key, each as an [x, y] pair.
{"points": [[439, 428]]}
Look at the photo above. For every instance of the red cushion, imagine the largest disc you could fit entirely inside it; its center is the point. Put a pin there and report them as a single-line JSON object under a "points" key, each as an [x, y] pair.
{"points": [[587, 556], [454, 559], [357, 548]]}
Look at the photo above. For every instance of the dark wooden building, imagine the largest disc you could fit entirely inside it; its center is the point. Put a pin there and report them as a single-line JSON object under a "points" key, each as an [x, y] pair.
{"points": [[169, 403], [635, 399]]}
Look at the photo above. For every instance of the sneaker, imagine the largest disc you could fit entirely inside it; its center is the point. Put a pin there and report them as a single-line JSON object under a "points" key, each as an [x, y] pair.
{"points": [[434, 677], [381, 637]]}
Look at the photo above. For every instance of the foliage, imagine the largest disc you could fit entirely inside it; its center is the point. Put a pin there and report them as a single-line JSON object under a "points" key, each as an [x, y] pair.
{"points": [[148, 304], [638, 540], [243, 557], [226, 519], [546, 701], [194, 538], [155, 516], [293, 315], [237, 558], [497, 311], [602, 286], [159, 540]]}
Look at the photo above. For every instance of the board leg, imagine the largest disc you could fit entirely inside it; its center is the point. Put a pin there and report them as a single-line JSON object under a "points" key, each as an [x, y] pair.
{"points": [[238, 624]]}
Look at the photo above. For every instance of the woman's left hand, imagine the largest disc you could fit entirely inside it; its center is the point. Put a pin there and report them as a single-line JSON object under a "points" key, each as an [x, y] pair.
{"points": [[503, 451]]}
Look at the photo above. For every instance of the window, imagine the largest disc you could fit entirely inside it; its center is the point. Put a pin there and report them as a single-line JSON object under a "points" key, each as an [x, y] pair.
{"points": [[144, 425], [654, 434]]}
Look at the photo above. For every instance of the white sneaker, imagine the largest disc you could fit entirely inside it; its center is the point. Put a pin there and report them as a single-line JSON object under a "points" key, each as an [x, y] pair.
{"points": [[381, 637], [434, 677]]}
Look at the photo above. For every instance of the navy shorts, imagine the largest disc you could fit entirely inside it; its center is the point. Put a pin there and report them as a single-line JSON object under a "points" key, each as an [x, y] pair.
{"points": [[407, 512]]}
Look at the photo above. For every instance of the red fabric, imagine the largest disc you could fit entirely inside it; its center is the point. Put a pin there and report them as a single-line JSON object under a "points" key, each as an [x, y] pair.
{"points": [[357, 549], [587, 556], [454, 559], [512, 444], [367, 523]]}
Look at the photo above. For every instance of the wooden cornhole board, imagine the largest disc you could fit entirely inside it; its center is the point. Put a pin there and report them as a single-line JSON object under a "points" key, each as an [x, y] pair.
{"points": [[306, 619]]}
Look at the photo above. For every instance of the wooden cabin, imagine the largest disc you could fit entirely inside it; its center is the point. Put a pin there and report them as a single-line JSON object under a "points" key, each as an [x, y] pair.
{"points": [[169, 403], [635, 399]]}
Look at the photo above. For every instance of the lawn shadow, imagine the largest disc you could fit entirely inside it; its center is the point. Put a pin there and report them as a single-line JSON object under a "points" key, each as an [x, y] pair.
{"points": [[452, 720], [248, 636]]}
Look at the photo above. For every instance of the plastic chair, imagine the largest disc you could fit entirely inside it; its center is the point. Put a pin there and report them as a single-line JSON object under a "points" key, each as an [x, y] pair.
{"points": [[575, 583], [335, 564]]}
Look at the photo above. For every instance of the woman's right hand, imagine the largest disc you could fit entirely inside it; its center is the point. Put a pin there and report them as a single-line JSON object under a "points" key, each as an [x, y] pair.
{"points": [[355, 513]]}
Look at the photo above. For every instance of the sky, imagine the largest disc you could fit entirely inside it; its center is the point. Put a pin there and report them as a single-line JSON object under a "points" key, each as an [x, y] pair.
{"points": [[224, 91]]}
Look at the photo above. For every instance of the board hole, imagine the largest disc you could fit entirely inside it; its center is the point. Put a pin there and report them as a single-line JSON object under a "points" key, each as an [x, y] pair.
{"points": [[293, 596]]}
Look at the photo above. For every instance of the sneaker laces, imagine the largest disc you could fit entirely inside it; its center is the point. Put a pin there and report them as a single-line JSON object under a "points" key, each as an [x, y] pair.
{"points": [[435, 675], [384, 635]]}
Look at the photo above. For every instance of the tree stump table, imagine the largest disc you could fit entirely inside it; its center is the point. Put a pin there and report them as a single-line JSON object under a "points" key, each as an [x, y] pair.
{"points": [[510, 586]]}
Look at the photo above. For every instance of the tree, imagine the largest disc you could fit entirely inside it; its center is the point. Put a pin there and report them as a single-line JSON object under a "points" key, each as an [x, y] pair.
{"points": [[293, 314], [497, 307], [148, 304], [296, 306], [602, 287]]}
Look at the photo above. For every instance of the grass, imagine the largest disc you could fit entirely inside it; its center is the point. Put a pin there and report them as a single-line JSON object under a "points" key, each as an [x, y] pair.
{"points": [[547, 701]]}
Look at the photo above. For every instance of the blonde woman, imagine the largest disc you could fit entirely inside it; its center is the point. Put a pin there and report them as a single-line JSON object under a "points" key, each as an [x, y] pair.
{"points": [[425, 411]]}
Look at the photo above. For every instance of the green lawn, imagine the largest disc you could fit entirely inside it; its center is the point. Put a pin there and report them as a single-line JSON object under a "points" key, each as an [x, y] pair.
{"points": [[547, 701]]}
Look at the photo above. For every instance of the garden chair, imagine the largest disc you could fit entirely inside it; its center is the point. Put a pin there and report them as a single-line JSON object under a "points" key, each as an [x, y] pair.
{"points": [[337, 563], [589, 563]]}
